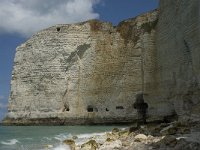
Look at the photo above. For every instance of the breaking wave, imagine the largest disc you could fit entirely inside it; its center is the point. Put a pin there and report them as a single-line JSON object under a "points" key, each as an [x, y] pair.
{"points": [[62, 147], [10, 142]]}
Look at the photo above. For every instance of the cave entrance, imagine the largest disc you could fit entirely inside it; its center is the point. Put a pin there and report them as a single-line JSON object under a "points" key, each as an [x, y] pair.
{"points": [[90, 108], [66, 107], [58, 29], [119, 107]]}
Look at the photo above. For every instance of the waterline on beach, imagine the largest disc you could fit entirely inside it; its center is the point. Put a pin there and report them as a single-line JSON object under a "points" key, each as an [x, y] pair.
{"points": [[51, 137]]}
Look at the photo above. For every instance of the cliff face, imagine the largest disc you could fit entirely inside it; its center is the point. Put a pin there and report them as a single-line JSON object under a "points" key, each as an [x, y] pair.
{"points": [[82, 73], [177, 74], [90, 72]]}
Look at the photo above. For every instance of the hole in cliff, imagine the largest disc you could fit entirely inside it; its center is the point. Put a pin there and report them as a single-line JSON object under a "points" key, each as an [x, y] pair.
{"points": [[58, 29], [66, 107], [107, 109], [119, 107], [90, 109]]}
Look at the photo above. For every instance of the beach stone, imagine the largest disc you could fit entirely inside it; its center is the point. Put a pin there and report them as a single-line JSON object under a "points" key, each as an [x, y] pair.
{"points": [[112, 136], [115, 130], [74, 137], [181, 127], [155, 130], [155, 140], [123, 133], [117, 144], [140, 137], [150, 137], [184, 130], [71, 143], [125, 143], [169, 130], [109, 140], [133, 128], [169, 140], [90, 145], [182, 144], [137, 146]]}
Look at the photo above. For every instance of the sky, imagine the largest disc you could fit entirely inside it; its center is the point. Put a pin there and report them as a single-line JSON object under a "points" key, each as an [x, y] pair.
{"points": [[22, 18]]}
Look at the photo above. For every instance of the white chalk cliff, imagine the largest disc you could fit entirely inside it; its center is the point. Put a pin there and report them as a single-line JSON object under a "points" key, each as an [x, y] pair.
{"points": [[90, 72]]}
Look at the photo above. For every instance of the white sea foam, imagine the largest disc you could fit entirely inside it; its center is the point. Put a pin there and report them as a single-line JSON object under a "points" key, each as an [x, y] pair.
{"points": [[99, 137], [10, 142], [62, 147], [62, 137], [47, 138], [83, 136]]}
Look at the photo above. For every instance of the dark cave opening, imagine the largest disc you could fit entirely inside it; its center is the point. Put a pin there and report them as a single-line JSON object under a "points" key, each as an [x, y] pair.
{"points": [[119, 107], [90, 109], [58, 29]]}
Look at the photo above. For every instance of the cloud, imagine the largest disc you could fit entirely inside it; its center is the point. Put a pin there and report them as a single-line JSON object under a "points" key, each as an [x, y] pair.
{"points": [[28, 16]]}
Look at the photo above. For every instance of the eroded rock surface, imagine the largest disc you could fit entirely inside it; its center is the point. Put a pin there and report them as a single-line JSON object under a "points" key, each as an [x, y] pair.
{"points": [[175, 86], [82, 73], [90, 72]]}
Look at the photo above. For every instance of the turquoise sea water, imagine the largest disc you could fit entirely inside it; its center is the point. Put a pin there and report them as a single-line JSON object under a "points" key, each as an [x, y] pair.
{"points": [[38, 137]]}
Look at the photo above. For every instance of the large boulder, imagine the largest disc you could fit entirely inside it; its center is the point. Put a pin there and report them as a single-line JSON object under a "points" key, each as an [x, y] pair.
{"points": [[90, 145]]}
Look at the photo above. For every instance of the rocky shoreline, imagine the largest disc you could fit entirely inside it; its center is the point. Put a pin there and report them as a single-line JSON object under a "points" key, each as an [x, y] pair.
{"points": [[164, 136]]}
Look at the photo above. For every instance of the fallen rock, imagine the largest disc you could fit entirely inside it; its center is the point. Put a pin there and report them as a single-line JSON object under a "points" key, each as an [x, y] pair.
{"points": [[90, 145]]}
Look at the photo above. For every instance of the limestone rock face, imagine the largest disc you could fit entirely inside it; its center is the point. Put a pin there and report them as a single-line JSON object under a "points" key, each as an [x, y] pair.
{"points": [[90, 72], [175, 86], [82, 73]]}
